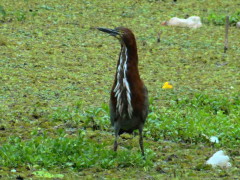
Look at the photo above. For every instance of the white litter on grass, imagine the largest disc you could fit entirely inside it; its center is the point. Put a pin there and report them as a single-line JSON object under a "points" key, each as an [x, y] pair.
{"points": [[214, 139], [191, 22], [219, 159], [238, 24], [13, 170]]}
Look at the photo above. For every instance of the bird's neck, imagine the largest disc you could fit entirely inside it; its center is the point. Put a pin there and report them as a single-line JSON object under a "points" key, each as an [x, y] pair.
{"points": [[128, 58], [127, 70]]}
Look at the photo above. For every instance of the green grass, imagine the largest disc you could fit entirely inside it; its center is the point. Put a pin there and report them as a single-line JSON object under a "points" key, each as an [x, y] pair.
{"points": [[221, 19], [42, 151], [191, 118], [78, 142], [56, 72]]}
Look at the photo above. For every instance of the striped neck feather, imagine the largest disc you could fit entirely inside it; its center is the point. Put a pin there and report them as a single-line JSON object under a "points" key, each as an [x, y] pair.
{"points": [[122, 90]]}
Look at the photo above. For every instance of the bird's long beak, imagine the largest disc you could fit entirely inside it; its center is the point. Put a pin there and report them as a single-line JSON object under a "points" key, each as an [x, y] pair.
{"points": [[111, 32]]}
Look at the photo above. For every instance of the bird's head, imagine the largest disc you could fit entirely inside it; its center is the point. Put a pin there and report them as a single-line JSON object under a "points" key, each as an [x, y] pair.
{"points": [[124, 35]]}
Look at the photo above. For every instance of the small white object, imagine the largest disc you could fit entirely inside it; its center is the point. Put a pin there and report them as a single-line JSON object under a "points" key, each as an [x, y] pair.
{"points": [[214, 139], [219, 159], [13, 170], [191, 22], [238, 24]]}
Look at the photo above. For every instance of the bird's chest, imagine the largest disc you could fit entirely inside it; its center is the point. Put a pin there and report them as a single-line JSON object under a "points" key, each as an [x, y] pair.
{"points": [[123, 98]]}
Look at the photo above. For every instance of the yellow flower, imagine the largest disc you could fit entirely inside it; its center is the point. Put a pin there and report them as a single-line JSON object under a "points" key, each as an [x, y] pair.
{"points": [[166, 85]]}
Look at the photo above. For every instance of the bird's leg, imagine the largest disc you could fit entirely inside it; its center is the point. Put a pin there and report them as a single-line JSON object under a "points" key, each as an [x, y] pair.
{"points": [[116, 128], [141, 141], [115, 143]]}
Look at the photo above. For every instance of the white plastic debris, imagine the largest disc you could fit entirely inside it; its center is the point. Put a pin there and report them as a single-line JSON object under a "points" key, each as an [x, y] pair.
{"points": [[214, 139], [238, 24], [219, 159], [13, 170], [191, 22]]}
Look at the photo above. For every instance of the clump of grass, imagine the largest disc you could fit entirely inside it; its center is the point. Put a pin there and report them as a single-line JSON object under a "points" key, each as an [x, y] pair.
{"points": [[78, 153], [95, 118], [3, 41], [190, 118], [3, 12], [19, 15], [220, 19]]}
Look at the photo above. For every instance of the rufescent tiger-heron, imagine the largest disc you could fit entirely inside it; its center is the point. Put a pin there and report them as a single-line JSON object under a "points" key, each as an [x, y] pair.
{"points": [[129, 96]]}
